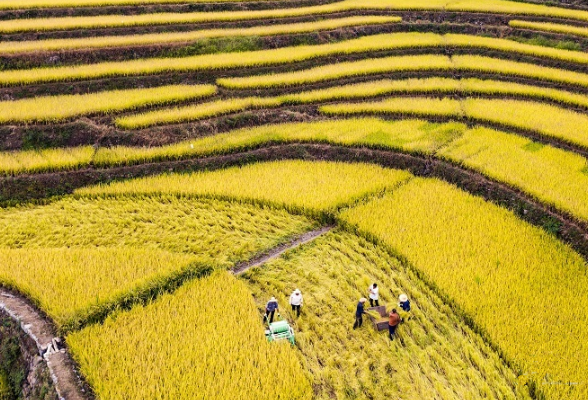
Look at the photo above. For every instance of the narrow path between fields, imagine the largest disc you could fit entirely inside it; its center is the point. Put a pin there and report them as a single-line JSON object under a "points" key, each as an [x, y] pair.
{"points": [[66, 381], [278, 251]]}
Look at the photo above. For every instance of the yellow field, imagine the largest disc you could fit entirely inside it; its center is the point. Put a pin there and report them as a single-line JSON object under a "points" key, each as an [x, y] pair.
{"points": [[436, 355], [549, 27], [26, 4], [193, 112], [552, 175], [179, 37], [59, 108], [457, 63], [282, 56], [544, 119], [71, 285], [413, 135], [14, 162], [204, 341], [502, 272], [314, 187], [341, 70], [144, 273], [466, 87], [494, 6], [219, 233]]}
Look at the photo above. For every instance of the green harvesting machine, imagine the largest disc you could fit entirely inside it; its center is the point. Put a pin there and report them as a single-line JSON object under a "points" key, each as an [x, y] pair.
{"points": [[280, 330]]}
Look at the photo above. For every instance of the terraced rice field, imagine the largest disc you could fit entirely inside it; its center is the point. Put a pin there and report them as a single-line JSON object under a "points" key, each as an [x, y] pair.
{"points": [[168, 166]]}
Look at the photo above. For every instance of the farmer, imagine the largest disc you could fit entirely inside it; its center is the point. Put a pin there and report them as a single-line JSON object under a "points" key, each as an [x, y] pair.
{"points": [[296, 301], [271, 308], [359, 313], [403, 302], [393, 323], [374, 295], [404, 305]]}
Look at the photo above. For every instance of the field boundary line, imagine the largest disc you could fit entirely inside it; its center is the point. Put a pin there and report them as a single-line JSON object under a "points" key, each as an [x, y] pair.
{"points": [[68, 384], [276, 252]]}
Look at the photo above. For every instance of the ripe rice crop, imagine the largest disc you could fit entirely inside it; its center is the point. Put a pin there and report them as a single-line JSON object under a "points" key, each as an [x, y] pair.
{"points": [[204, 341], [436, 85], [71, 285], [165, 18], [544, 119], [480, 64], [505, 274], [493, 6], [434, 346], [506, 157], [281, 56], [174, 37], [341, 70], [465, 63], [220, 234], [59, 108], [313, 187], [411, 106], [554, 176], [32, 4], [549, 27], [31, 161], [362, 91], [192, 112], [401, 133], [414, 135]]}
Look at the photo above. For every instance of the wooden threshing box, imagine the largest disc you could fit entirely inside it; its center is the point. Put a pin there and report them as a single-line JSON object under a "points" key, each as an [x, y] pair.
{"points": [[381, 323]]}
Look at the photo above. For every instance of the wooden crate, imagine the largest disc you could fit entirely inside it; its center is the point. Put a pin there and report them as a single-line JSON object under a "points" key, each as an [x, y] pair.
{"points": [[381, 323]]}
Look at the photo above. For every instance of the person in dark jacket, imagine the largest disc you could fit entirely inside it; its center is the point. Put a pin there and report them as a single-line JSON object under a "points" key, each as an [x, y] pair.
{"points": [[359, 313], [393, 323], [403, 302], [271, 308], [404, 305]]}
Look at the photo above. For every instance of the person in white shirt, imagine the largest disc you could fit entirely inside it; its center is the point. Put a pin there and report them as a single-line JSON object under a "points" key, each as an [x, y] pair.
{"points": [[374, 295], [296, 301]]}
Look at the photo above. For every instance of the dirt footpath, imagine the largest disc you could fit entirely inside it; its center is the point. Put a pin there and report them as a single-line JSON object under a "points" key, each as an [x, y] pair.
{"points": [[66, 381]]}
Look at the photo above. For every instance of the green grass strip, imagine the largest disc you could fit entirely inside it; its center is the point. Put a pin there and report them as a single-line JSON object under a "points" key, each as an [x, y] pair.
{"points": [[178, 37], [283, 55], [59, 108]]}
